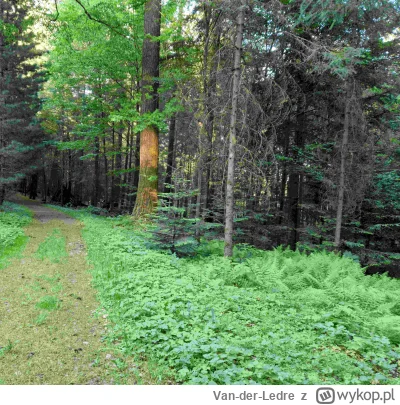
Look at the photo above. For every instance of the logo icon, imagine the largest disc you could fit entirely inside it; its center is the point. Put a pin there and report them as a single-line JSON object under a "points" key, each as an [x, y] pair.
{"points": [[325, 395]]}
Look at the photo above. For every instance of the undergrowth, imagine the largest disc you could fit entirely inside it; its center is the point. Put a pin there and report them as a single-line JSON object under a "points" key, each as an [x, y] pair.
{"points": [[265, 317], [13, 218]]}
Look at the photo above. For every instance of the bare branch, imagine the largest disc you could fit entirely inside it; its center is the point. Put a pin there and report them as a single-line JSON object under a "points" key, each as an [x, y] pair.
{"points": [[57, 11]]}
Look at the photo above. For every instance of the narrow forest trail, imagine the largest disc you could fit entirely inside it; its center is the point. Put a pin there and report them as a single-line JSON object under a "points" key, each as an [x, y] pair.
{"points": [[48, 331]]}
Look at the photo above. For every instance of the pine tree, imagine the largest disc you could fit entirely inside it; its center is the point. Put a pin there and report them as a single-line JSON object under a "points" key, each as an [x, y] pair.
{"points": [[20, 132]]}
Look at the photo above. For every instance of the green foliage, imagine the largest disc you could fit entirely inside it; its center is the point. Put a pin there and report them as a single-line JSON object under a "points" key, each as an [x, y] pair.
{"points": [[12, 219], [265, 317], [10, 31], [174, 231], [387, 190], [21, 137]]}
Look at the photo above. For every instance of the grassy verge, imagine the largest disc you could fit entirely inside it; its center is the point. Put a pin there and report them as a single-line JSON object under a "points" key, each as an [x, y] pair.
{"points": [[13, 218], [275, 317], [51, 326]]}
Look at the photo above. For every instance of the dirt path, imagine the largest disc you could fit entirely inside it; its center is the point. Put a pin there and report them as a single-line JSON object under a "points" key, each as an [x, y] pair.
{"points": [[48, 331], [42, 213]]}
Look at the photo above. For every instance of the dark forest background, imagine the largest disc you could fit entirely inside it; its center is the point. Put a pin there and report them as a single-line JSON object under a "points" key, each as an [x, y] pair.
{"points": [[315, 131]]}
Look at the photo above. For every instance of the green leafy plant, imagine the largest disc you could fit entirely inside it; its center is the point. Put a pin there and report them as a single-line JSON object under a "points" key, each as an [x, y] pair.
{"points": [[265, 317]]}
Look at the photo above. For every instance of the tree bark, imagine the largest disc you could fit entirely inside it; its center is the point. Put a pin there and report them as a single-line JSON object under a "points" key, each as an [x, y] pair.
{"points": [[146, 200], [96, 188], [230, 180], [2, 136], [209, 90], [170, 158], [342, 175], [283, 180], [106, 195], [294, 184]]}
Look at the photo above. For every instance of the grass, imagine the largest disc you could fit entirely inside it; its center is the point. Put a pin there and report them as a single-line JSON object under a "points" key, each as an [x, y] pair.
{"points": [[49, 303], [12, 238], [52, 327], [53, 247], [276, 317]]}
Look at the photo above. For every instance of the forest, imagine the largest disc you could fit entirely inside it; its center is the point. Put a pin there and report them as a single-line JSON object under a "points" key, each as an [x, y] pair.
{"points": [[221, 176]]}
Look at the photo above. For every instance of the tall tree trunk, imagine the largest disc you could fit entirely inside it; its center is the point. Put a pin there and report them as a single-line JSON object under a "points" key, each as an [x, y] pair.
{"points": [[2, 135], [112, 182], [199, 181], [170, 158], [106, 200], [146, 199], [134, 163], [2, 164], [33, 186], [209, 90], [96, 188], [230, 179], [44, 188], [342, 175], [294, 184], [293, 196], [118, 164], [284, 179]]}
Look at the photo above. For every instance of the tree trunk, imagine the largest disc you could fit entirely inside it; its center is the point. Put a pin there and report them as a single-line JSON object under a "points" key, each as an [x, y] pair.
{"points": [[284, 179], [230, 179], [96, 188], [293, 196], [112, 181], [118, 165], [135, 156], [44, 188], [33, 186], [294, 185], [2, 164], [342, 175], [170, 158], [106, 197], [209, 90], [2, 136], [146, 200]]}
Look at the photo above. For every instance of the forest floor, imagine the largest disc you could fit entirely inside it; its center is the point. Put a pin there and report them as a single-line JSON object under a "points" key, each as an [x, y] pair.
{"points": [[93, 300], [51, 326]]}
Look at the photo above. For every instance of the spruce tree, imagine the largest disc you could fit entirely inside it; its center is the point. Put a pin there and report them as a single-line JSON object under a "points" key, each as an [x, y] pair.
{"points": [[20, 132]]}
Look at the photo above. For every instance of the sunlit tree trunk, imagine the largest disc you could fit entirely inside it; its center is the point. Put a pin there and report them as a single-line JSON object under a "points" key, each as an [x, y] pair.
{"points": [[146, 199], [230, 180]]}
